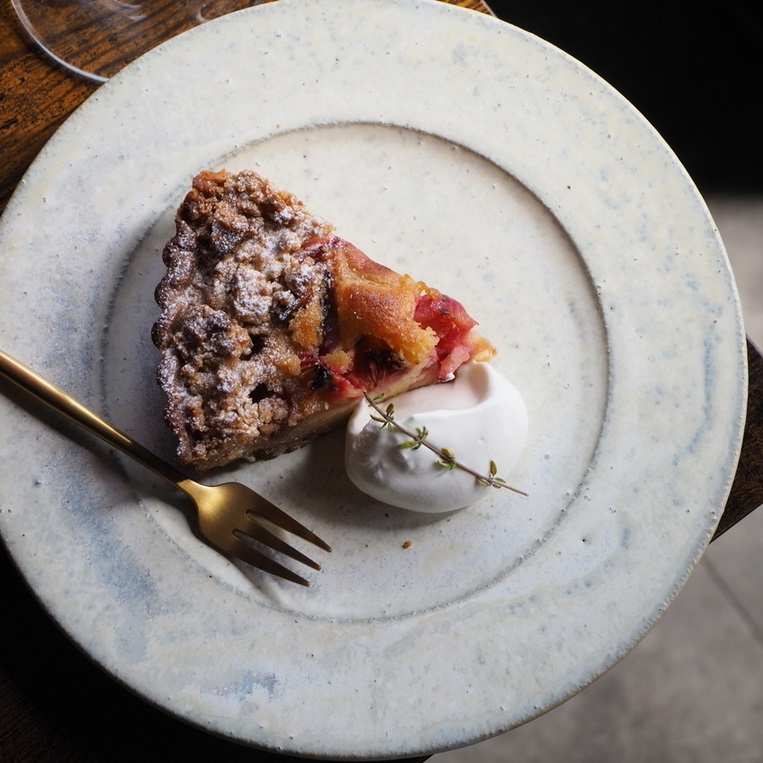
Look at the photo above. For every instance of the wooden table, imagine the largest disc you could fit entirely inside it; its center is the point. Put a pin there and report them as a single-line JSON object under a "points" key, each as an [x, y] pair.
{"points": [[55, 705]]}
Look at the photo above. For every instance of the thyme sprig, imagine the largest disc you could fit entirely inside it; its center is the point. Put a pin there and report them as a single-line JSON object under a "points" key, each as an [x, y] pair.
{"points": [[446, 458]]}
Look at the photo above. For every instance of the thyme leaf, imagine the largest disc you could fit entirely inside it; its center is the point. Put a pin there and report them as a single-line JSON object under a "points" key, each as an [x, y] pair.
{"points": [[446, 458]]}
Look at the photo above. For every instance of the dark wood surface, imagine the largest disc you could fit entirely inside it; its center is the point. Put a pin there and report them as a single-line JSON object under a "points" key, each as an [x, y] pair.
{"points": [[747, 490], [55, 705]]}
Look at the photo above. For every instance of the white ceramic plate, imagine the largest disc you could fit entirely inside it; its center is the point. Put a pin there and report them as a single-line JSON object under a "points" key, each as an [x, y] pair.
{"points": [[470, 154]]}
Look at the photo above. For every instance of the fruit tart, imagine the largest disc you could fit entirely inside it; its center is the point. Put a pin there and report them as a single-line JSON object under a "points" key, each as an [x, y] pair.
{"points": [[272, 327]]}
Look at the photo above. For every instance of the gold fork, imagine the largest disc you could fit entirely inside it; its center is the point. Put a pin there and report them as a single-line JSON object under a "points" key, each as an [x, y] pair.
{"points": [[229, 515]]}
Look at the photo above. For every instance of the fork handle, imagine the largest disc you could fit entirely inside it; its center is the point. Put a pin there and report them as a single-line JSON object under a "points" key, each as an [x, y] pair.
{"points": [[54, 397]]}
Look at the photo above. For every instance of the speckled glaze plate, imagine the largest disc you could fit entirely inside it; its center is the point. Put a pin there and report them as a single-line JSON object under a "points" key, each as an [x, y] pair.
{"points": [[472, 155]]}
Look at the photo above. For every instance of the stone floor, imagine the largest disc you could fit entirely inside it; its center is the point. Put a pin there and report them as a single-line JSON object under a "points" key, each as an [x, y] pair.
{"points": [[692, 690]]}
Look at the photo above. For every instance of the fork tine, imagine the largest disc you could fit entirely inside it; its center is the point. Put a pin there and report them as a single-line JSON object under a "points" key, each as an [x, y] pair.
{"points": [[246, 553], [251, 528], [285, 521]]}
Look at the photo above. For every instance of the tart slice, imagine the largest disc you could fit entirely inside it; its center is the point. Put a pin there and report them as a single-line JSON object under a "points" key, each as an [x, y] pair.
{"points": [[272, 327]]}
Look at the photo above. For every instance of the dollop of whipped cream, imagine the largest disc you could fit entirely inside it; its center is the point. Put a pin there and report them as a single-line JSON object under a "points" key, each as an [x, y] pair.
{"points": [[479, 415]]}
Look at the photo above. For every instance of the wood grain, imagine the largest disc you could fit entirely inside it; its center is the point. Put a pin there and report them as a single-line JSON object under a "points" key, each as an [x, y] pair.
{"points": [[36, 94]]}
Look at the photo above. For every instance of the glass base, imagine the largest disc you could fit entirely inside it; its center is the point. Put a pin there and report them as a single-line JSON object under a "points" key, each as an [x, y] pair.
{"points": [[97, 38]]}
